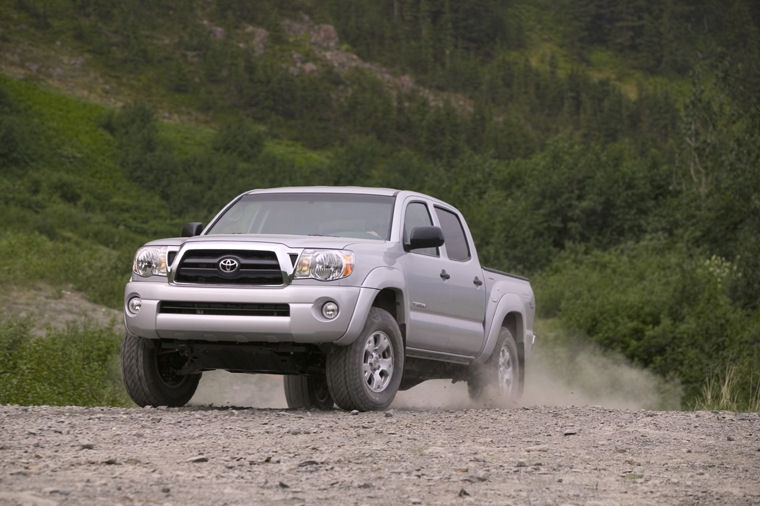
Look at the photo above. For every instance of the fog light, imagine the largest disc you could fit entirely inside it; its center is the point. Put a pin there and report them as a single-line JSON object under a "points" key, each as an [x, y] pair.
{"points": [[134, 305], [330, 310]]}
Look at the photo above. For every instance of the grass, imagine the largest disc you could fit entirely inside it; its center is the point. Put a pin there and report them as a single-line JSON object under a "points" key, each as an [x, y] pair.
{"points": [[720, 392], [300, 156], [74, 366], [70, 202]]}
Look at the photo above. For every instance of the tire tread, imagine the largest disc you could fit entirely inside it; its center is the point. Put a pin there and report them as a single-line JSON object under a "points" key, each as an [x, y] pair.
{"points": [[344, 366]]}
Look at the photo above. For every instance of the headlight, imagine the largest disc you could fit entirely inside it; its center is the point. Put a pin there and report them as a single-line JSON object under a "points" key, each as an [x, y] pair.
{"points": [[150, 261], [324, 264]]}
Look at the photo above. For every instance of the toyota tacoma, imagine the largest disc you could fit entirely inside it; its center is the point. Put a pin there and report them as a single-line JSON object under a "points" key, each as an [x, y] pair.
{"points": [[351, 293]]}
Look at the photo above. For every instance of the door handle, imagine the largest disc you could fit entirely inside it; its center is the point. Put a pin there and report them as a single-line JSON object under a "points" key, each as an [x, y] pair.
{"points": [[477, 281], [444, 274]]}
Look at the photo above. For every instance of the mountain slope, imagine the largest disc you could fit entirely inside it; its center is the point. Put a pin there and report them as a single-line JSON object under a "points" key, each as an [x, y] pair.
{"points": [[608, 149]]}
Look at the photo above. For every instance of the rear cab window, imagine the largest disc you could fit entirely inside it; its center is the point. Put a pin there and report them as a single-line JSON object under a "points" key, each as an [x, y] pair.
{"points": [[455, 240]]}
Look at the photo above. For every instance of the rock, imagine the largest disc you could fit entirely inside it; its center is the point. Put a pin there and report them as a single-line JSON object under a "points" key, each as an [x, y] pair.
{"points": [[59, 491], [474, 478], [389, 413], [325, 36], [355, 412], [463, 493], [259, 39], [198, 459], [217, 32]]}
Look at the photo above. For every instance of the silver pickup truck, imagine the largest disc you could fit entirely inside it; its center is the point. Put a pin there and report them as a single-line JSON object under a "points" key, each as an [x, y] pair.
{"points": [[351, 293]]}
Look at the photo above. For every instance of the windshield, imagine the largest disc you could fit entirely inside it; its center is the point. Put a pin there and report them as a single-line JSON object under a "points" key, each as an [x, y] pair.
{"points": [[329, 214]]}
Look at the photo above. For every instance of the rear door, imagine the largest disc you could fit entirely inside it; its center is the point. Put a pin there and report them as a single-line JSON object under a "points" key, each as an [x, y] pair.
{"points": [[466, 294]]}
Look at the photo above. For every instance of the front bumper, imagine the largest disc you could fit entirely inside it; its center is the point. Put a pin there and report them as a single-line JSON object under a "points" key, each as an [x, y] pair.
{"points": [[305, 323]]}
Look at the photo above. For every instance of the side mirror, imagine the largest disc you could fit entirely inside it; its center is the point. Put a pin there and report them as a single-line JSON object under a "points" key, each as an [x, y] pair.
{"points": [[192, 229], [425, 237]]}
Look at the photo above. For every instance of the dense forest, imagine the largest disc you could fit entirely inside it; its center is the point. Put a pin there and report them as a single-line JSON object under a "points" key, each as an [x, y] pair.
{"points": [[609, 149]]}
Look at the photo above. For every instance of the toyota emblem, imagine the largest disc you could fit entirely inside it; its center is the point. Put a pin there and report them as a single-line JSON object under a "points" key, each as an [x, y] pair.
{"points": [[228, 265]]}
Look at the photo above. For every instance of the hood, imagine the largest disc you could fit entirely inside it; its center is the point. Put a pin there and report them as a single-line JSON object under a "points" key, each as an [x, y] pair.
{"points": [[289, 241]]}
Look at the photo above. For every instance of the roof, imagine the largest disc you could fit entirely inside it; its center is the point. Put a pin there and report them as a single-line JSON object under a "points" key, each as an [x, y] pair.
{"points": [[347, 189], [327, 189]]}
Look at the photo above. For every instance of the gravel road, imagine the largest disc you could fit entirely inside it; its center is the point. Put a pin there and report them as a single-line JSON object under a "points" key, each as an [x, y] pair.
{"points": [[432, 448], [529, 455]]}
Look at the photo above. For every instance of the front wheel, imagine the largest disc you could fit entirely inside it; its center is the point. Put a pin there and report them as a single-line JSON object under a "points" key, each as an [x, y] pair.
{"points": [[151, 376], [366, 374], [307, 392], [500, 379]]}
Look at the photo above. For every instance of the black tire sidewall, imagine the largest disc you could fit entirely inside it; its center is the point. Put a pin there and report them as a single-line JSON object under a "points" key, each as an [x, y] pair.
{"points": [[345, 375], [307, 392], [319, 393], [507, 340], [381, 320], [482, 385], [142, 379]]}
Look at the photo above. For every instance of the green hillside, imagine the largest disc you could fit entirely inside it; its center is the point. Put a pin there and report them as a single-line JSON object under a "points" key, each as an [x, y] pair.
{"points": [[610, 150]]}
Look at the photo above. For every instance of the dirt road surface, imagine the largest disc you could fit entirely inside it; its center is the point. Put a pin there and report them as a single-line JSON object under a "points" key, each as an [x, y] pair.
{"points": [[531, 455], [432, 448]]}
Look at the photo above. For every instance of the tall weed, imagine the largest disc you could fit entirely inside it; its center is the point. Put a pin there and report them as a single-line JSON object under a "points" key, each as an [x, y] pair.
{"points": [[77, 365]]}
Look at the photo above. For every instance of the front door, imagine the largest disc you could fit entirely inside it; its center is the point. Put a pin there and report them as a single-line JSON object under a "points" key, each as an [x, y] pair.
{"points": [[428, 298]]}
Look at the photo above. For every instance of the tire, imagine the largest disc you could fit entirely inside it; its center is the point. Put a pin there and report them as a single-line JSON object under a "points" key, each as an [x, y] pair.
{"points": [[150, 376], [366, 374], [500, 380], [307, 392]]}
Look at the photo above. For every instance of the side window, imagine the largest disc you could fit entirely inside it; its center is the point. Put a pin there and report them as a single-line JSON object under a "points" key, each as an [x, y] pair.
{"points": [[453, 235], [417, 216]]}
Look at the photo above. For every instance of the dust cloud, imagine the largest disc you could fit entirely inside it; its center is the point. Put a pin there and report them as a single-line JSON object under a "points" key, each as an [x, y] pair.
{"points": [[221, 388], [580, 374], [569, 374]]}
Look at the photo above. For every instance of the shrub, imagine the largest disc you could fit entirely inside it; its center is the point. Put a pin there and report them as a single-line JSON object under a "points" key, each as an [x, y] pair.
{"points": [[663, 307], [73, 366], [240, 137]]}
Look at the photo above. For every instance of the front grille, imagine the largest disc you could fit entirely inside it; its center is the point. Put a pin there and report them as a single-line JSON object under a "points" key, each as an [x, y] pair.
{"points": [[256, 268], [223, 308]]}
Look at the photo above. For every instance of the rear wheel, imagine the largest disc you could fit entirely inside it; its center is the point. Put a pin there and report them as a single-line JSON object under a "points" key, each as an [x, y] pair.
{"points": [[307, 392], [366, 374], [151, 375], [500, 379]]}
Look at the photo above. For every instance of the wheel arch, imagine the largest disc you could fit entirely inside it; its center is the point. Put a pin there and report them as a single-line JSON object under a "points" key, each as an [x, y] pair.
{"points": [[507, 314], [391, 299], [384, 288]]}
